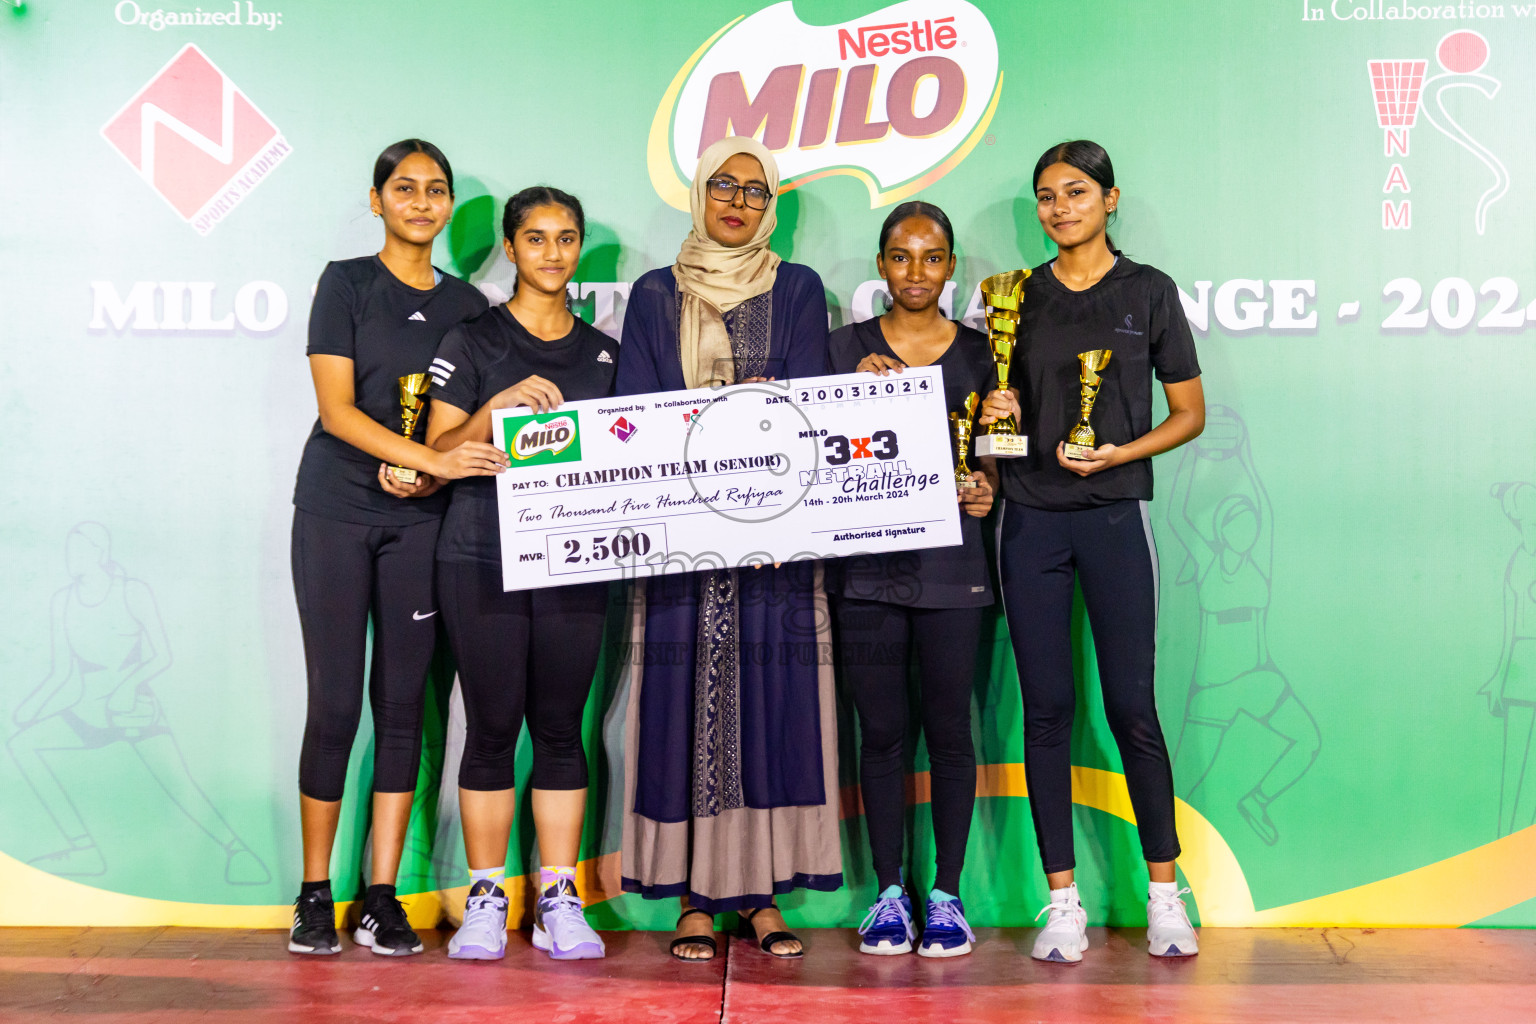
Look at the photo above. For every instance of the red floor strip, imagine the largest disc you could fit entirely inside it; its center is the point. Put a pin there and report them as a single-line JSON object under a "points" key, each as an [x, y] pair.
{"points": [[168, 976]]}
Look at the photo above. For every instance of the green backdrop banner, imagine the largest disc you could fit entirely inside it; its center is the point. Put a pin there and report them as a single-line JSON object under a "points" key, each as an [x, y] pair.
{"points": [[1341, 188]]}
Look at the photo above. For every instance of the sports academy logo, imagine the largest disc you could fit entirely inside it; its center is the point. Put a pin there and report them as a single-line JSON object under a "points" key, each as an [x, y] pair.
{"points": [[196, 139], [897, 98], [543, 438], [1402, 93]]}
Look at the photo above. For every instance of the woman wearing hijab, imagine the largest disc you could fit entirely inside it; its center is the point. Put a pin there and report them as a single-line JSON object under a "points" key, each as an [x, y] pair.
{"points": [[730, 750]]}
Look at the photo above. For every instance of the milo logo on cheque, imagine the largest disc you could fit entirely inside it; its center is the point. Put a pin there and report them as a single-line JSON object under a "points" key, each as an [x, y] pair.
{"points": [[543, 438], [896, 98]]}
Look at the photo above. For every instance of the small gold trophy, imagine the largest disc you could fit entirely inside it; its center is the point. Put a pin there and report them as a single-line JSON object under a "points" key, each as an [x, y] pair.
{"points": [[1080, 439], [1004, 295], [412, 387], [961, 423]]}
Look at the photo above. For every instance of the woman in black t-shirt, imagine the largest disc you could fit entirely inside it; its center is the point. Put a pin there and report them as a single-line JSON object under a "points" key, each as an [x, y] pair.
{"points": [[363, 540], [1064, 520], [518, 651], [924, 602]]}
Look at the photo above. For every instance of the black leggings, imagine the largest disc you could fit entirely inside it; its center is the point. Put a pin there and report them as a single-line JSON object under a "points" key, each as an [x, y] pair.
{"points": [[522, 650], [342, 572], [875, 639], [1110, 551]]}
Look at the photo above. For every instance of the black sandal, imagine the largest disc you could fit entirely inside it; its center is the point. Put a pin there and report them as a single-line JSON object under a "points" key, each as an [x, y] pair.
{"points": [[686, 940], [745, 930]]}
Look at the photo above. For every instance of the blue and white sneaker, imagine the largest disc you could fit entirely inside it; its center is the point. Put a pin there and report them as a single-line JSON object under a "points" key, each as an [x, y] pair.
{"points": [[888, 928], [561, 929], [946, 932], [483, 935]]}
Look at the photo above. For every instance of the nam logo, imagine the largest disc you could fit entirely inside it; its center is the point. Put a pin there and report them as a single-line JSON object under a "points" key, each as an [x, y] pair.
{"points": [[196, 139], [543, 438], [1402, 93], [896, 98]]}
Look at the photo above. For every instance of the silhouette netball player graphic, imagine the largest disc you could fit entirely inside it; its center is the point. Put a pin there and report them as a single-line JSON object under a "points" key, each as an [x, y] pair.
{"points": [[1221, 515], [107, 644], [1511, 691]]}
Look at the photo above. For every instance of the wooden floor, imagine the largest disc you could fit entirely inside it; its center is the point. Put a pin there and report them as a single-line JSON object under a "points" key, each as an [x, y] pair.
{"points": [[109, 976]]}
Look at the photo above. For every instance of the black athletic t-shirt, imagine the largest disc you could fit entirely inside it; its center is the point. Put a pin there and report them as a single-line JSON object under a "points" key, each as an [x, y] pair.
{"points": [[953, 577], [388, 329], [1134, 311], [484, 357]]}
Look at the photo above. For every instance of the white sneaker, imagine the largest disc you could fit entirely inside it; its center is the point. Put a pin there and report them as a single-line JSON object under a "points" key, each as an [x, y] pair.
{"points": [[1065, 934], [483, 935], [1169, 932], [561, 929]]}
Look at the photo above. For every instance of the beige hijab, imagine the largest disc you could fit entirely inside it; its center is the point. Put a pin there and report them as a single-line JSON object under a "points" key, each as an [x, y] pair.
{"points": [[714, 279]]}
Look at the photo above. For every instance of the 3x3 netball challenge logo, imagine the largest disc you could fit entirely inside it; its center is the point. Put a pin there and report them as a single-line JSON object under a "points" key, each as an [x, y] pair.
{"points": [[1402, 93], [897, 98], [196, 139]]}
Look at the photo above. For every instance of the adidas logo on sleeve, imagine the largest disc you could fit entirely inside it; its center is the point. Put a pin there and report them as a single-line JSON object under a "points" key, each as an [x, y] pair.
{"points": [[441, 370], [604, 357], [417, 316]]}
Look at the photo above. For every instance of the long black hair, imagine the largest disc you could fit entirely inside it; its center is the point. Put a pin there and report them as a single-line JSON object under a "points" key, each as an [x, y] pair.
{"points": [[1088, 157], [520, 205], [388, 160], [917, 208]]}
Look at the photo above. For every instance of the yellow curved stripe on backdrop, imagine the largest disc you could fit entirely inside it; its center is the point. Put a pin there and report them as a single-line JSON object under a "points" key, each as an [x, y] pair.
{"points": [[658, 147], [1458, 890], [36, 898], [1429, 897], [1436, 895]]}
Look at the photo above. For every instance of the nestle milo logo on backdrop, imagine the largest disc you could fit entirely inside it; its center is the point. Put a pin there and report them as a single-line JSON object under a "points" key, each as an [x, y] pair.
{"points": [[896, 98]]}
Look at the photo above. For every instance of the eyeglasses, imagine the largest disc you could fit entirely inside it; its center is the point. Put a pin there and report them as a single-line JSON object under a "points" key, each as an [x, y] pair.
{"points": [[724, 189]]}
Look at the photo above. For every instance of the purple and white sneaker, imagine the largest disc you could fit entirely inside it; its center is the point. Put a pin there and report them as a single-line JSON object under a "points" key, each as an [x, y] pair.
{"points": [[483, 935], [560, 928]]}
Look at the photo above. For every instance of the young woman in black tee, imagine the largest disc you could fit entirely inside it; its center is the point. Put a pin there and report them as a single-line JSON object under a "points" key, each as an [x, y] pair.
{"points": [[1064, 520], [924, 602], [520, 651], [363, 541]]}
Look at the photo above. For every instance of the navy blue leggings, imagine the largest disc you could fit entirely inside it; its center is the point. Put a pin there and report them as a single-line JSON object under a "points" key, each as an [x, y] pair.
{"points": [[1110, 551]]}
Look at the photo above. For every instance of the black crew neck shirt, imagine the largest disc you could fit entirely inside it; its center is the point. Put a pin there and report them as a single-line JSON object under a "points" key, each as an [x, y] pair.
{"points": [[952, 577], [477, 361], [388, 329], [1134, 311]]}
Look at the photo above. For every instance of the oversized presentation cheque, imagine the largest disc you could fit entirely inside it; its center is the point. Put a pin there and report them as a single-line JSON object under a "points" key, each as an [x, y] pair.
{"points": [[821, 467]]}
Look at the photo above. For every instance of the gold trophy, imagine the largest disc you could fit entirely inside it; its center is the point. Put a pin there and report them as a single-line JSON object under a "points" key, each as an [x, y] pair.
{"points": [[1080, 439], [1004, 295], [412, 387], [961, 424]]}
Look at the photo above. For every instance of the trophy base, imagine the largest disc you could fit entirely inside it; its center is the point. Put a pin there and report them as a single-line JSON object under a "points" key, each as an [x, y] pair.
{"points": [[405, 476], [1077, 452], [1002, 446], [965, 485]]}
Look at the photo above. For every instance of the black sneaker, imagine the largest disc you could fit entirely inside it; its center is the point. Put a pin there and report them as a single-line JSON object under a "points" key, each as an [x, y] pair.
{"points": [[385, 930], [314, 925]]}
